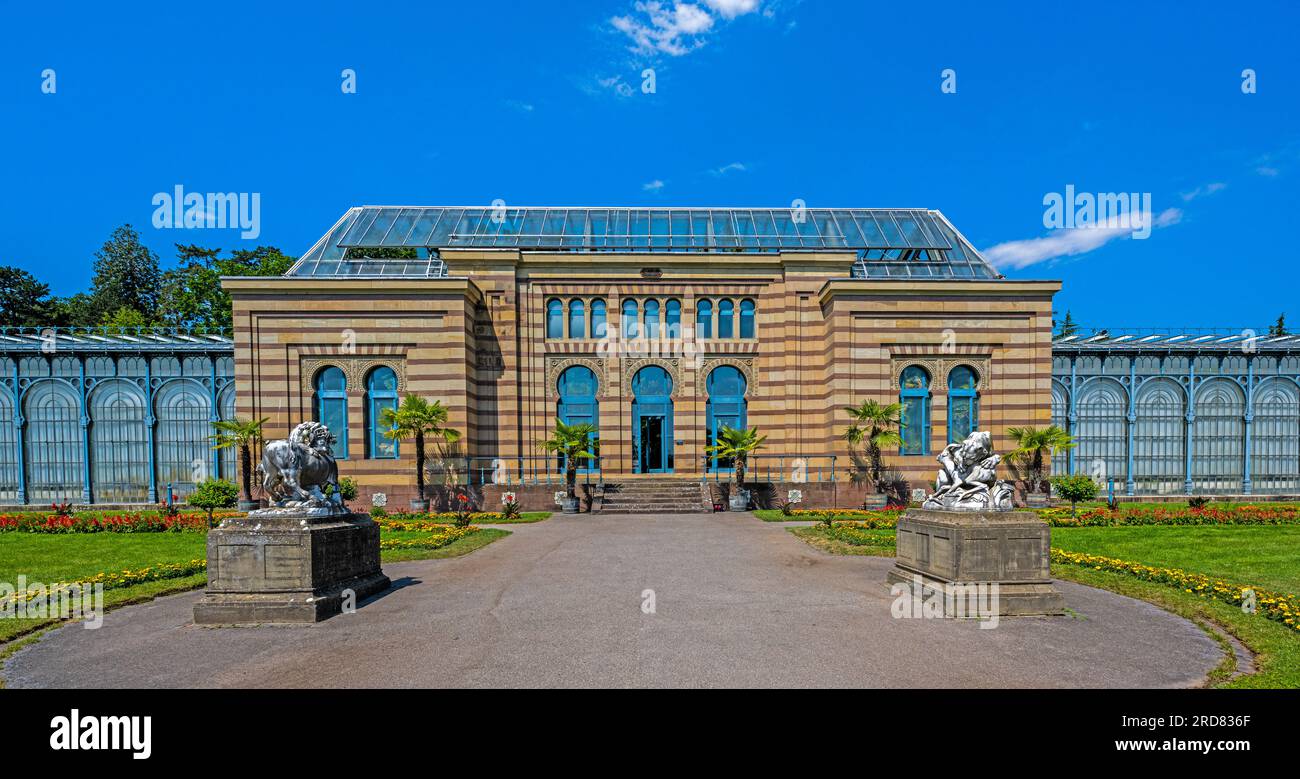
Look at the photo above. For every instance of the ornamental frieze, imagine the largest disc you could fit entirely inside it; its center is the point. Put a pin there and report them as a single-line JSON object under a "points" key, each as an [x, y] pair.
{"points": [[355, 369], [939, 368]]}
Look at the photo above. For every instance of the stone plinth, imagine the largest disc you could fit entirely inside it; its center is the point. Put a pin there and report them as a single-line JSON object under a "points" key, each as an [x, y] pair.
{"points": [[289, 568], [1009, 548]]}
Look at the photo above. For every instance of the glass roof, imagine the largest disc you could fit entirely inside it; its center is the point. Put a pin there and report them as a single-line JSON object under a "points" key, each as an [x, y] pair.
{"points": [[404, 241]]}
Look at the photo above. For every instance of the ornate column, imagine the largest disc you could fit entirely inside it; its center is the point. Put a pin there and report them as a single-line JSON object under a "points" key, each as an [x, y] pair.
{"points": [[1246, 485], [1072, 419], [1190, 435], [85, 432], [214, 414], [18, 435], [1130, 485], [149, 423]]}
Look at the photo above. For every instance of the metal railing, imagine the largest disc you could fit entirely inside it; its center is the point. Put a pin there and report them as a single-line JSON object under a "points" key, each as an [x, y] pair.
{"points": [[776, 468], [511, 471]]}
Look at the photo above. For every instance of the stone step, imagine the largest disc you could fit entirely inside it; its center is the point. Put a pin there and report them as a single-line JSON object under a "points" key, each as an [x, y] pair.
{"points": [[650, 509]]}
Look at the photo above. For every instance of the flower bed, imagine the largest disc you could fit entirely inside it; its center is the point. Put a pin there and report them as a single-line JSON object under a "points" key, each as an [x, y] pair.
{"points": [[853, 533], [883, 518], [113, 580], [1275, 514], [137, 522], [406, 520], [444, 536], [1278, 607]]}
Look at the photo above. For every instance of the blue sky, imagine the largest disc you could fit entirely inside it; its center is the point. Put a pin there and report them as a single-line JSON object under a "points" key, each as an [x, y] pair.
{"points": [[757, 103]]}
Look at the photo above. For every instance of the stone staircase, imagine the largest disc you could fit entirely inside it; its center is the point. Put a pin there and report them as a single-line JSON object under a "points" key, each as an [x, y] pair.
{"points": [[654, 496]]}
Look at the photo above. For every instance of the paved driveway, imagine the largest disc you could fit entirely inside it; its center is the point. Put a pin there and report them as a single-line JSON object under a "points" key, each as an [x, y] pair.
{"points": [[739, 602]]}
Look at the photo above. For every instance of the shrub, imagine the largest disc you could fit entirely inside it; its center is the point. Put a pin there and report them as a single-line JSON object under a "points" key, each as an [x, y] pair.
{"points": [[1075, 489], [510, 510], [1198, 502], [463, 510], [214, 494], [378, 512]]}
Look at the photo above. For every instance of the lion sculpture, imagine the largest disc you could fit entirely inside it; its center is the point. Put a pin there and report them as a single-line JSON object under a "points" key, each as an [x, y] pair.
{"points": [[968, 478], [300, 472]]}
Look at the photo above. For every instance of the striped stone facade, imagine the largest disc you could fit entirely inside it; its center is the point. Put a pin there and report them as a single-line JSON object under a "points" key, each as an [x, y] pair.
{"points": [[477, 341]]}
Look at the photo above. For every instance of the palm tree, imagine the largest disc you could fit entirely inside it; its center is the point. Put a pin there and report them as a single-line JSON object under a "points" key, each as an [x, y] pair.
{"points": [[232, 433], [417, 418], [874, 423], [573, 443], [737, 444], [1033, 445]]}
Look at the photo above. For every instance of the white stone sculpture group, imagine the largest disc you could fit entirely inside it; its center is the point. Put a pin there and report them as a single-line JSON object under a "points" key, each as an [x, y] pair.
{"points": [[968, 478]]}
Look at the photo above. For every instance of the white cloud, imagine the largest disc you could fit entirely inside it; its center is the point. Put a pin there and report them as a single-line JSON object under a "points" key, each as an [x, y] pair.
{"points": [[673, 31], [653, 186], [1069, 242], [519, 105], [1267, 170], [1208, 189], [731, 167], [657, 28], [730, 9]]}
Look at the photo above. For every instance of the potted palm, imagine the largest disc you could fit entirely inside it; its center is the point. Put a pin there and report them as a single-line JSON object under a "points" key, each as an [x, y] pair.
{"points": [[737, 444], [242, 435], [574, 444], [874, 426], [419, 419], [1033, 445]]}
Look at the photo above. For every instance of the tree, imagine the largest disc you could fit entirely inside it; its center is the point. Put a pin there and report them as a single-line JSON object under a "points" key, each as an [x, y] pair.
{"points": [[1033, 445], [1279, 327], [418, 418], [77, 310], [1067, 326], [214, 494], [1075, 489], [125, 318], [241, 434], [24, 301], [126, 274], [874, 424], [191, 294], [573, 443], [737, 445]]}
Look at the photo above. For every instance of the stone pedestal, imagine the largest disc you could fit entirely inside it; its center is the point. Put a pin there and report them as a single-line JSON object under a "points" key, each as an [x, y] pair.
{"points": [[1009, 548], [289, 568]]}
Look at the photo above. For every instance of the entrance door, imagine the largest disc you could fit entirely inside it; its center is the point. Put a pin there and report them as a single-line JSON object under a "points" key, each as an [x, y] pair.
{"points": [[652, 421], [653, 451]]}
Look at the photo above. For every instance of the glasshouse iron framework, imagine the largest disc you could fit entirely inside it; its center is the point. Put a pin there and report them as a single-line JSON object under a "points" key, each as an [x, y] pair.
{"points": [[111, 416], [1181, 413]]}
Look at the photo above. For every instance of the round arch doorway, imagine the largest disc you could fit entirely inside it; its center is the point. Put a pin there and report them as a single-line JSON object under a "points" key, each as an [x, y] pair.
{"points": [[652, 421]]}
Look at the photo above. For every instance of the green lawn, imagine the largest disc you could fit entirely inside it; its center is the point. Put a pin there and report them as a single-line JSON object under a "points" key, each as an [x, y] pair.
{"points": [[1264, 556], [1240, 554]]}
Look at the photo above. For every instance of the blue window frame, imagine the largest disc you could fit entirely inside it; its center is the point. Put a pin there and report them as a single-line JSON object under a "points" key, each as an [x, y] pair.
{"points": [[914, 395], [652, 319], [554, 318], [704, 318], [578, 388], [673, 318], [726, 319], [577, 318], [746, 318], [963, 403], [332, 407], [652, 421], [381, 393], [597, 318], [726, 407], [631, 328]]}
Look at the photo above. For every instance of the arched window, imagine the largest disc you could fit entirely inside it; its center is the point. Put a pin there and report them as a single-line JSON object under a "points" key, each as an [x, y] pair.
{"points": [[578, 387], [332, 406], [119, 443], [704, 318], [597, 318], [554, 318], [963, 404], [381, 393], [726, 408], [8, 445], [914, 395], [652, 318], [53, 443], [631, 329], [673, 318], [184, 455], [577, 318], [746, 318], [726, 319]]}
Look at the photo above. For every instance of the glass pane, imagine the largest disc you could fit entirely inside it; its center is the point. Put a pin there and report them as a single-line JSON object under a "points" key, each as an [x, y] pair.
{"points": [[726, 319], [383, 380], [597, 319], [703, 319], [915, 378], [331, 380]]}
